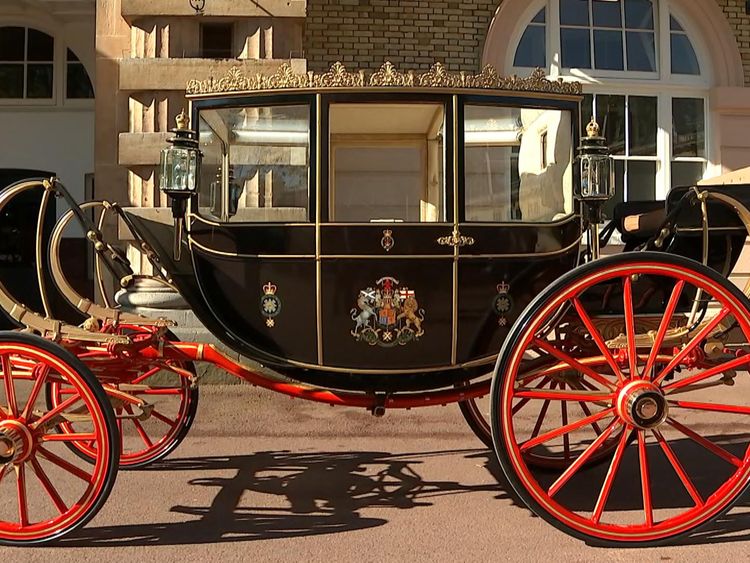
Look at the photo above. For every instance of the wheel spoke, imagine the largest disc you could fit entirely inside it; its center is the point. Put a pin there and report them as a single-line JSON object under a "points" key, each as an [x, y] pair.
{"points": [[55, 411], [572, 362], [23, 507], [48, 486], [733, 409], [715, 370], [41, 378], [524, 402], [158, 416], [582, 459], [565, 429], [563, 395], [564, 418], [146, 375], [664, 326], [610, 478], [66, 465], [707, 444], [596, 335], [542, 414], [587, 412], [627, 299], [139, 428], [10, 390], [677, 466], [69, 437], [645, 481], [697, 339]]}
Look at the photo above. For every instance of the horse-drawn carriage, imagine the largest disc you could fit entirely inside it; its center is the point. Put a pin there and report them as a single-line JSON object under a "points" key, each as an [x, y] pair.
{"points": [[401, 240]]}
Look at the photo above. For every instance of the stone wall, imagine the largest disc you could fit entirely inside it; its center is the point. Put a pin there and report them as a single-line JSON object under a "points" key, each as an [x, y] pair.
{"points": [[739, 21], [416, 33], [410, 33]]}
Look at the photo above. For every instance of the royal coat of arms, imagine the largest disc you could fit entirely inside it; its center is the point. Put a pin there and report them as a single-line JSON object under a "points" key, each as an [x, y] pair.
{"points": [[387, 315]]}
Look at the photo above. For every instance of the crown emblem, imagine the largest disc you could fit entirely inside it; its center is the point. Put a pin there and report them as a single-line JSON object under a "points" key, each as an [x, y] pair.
{"points": [[503, 287], [182, 120], [269, 289]]}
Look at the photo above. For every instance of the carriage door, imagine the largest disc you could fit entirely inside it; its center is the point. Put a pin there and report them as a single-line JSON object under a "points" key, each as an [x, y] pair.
{"points": [[386, 282], [516, 214]]}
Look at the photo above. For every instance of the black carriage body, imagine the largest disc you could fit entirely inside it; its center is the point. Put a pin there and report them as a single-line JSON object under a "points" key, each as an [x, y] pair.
{"points": [[336, 292]]}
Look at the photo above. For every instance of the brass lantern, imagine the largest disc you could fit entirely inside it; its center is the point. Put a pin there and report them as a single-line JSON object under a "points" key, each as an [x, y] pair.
{"points": [[179, 168], [597, 181], [597, 167]]}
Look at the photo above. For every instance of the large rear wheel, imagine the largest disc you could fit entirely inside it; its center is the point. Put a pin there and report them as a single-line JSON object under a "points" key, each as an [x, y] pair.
{"points": [[662, 397]]}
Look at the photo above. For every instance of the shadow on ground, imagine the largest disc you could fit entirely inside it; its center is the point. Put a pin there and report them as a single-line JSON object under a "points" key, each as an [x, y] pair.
{"points": [[319, 493]]}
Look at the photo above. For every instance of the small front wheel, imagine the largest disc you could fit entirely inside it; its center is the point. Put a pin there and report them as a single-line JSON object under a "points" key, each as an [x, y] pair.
{"points": [[47, 491]]}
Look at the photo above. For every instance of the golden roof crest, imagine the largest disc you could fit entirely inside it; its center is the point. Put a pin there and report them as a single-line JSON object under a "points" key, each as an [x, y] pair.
{"points": [[387, 76]]}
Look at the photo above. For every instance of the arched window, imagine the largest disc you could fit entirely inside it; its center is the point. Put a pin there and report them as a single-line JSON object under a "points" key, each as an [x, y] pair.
{"points": [[32, 68], [643, 80]]}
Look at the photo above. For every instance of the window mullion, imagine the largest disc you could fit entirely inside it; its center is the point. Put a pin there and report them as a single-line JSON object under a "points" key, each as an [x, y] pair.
{"points": [[664, 146], [554, 47], [592, 60]]}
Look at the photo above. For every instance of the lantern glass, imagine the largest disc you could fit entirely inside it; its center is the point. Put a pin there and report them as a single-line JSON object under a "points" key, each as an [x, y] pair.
{"points": [[179, 169], [597, 177]]}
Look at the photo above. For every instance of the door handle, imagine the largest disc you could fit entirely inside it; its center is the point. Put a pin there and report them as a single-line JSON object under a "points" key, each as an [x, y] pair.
{"points": [[456, 239]]}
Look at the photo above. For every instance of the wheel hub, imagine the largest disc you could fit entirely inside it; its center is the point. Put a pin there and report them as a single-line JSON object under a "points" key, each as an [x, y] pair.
{"points": [[642, 404], [16, 442]]}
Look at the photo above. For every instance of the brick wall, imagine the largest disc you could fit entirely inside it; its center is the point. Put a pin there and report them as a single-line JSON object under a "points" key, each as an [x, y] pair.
{"points": [[416, 33], [410, 33], [740, 23]]}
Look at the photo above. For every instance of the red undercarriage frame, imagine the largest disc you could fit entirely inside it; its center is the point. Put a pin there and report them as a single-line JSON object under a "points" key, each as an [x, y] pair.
{"points": [[116, 363]]}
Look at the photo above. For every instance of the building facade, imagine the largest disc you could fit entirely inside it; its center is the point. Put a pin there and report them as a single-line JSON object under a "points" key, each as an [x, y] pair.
{"points": [[670, 79]]}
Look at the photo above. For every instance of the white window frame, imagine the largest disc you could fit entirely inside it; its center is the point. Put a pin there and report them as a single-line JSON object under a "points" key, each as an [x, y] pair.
{"points": [[662, 84], [59, 76]]}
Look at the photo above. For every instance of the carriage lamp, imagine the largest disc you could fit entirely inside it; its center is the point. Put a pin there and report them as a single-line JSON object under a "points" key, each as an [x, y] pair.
{"points": [[597, 183], [179, 169]]}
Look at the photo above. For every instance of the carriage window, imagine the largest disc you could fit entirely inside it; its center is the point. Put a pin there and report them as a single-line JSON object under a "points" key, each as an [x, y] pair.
{"points": [[518, 164], [256, 164], [387, 162]]}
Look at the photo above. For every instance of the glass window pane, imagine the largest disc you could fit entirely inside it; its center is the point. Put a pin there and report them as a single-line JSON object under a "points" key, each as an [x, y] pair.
{"points": [[71, 57], [688, 127], [608, 50], [641, 51], [643, 125], [532, 49], [576, 48], [639, 14], [216, 40], [12, 43], [607, 13], [11, 80], [41, 46], [77, 83], [674, 25], [684, 59], [541, 17], [610, 114], [609, 207], [574, 12], [641, 180], [517, 164], [39, 81], [269, 160], [687, 173]]}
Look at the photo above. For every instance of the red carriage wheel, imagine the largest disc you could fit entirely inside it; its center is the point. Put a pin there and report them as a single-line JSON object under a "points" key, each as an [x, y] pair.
{"points": [[48, 491], [553, 376], [672, 398], [150, 433]]}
